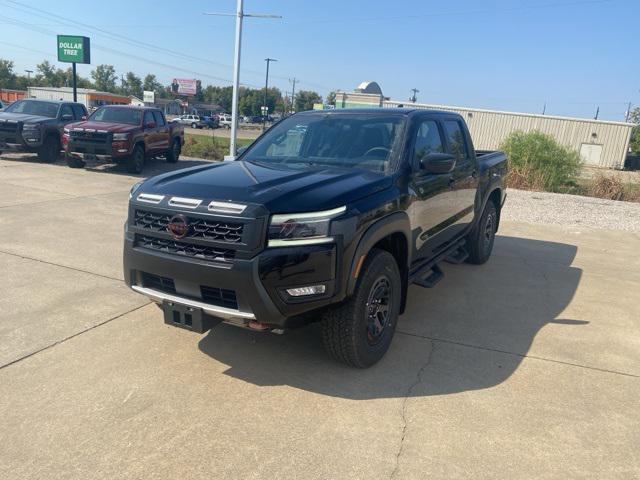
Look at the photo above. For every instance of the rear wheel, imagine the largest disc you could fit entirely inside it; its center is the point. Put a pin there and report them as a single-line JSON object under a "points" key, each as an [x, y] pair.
{"points": [[49, 152], [359, 332], [74, 162], [480, 240], [174, 152], [194, 125], [135, 162]]}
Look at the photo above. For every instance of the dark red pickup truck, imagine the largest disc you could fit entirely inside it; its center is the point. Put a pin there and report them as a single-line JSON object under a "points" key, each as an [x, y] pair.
{"points": [[123, 134]]}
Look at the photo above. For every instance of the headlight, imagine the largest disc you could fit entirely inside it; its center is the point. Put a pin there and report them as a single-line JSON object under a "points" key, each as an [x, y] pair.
{"points": [[134, 188], [67, 131], [118, 137], [30, 127], [302, 228]]}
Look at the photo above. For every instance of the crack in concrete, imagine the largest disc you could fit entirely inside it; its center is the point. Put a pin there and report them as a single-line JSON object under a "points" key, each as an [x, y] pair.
{"points": [[521, 355], [13, 362], [405, 401]]}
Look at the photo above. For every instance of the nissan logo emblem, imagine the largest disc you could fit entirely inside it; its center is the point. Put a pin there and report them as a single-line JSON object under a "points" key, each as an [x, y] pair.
{"points": [[178, 226]]}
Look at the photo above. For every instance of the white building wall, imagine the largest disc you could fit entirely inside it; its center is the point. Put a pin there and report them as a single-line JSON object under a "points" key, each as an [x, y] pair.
{"points": [[489, 129]]}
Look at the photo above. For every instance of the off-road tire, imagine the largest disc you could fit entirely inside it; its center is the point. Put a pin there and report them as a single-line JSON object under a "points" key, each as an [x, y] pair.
{"points": [[135, 162], [345, 328], [481, 238], [174, 152], [74, 162], [49, 152]]}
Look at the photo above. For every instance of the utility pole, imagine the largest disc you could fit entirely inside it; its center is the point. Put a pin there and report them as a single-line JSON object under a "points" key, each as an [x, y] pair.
{"points": [[293, 94], [597, 113], [413, 97], [29, 72], [265, 110], [544, 108], [236, 67]]}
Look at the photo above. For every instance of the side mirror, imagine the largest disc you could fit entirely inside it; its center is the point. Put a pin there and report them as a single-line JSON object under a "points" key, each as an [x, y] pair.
{"points": [[151, 125], [66, 117], [438, 163]]}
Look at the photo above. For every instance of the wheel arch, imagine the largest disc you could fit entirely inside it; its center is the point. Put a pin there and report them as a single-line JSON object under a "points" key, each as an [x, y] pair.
{"points": [[392, 234]]}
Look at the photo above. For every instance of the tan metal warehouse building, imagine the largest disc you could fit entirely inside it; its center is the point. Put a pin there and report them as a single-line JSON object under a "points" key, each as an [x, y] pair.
{"points": [[89, 97], [600, 143]]}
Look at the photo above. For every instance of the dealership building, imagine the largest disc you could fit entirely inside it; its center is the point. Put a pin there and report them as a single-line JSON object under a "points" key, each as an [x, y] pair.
{"points": [[600, 143], [91, 98]]}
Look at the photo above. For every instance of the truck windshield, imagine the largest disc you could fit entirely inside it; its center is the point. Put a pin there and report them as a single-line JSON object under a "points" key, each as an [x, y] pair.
{"points": [[33, 107], [342, 140], [117, 115]]}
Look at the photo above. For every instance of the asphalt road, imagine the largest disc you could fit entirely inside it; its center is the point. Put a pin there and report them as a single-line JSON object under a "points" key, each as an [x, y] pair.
{"points": [[526, 367]]}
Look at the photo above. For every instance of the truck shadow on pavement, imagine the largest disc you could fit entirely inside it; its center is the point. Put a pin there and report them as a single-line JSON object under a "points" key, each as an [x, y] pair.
{"points": [[470, 332]]}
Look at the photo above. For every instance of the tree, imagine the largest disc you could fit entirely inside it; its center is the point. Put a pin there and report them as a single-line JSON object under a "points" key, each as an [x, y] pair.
{"points": [[331, 98], [7, 77], [218, 96], [305, 100], [49, 76], [634, 117], [132, 85], [105, 77], [151, 84]]}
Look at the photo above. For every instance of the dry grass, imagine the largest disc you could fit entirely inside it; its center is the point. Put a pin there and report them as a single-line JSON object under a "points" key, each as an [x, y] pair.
{"points": [[612, 187]]}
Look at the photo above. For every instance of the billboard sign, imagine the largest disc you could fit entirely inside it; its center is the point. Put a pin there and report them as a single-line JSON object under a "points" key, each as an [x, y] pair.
{"points": [[183, 86], [74, 49], [149, 96]]}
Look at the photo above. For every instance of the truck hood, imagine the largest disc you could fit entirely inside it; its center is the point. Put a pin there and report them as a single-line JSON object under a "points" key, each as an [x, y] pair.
{"points": [[104, 126], [24, 118], [279, 189]]}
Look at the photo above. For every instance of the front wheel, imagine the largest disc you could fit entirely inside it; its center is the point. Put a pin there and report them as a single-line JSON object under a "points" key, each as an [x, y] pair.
{"points": [[193, 125], [174, 152], [481, 238], [359, 332], [135, 163], [50, 150]]}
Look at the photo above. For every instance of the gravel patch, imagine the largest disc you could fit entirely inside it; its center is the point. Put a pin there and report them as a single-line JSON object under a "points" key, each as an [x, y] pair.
{"points": [[571, 210]]}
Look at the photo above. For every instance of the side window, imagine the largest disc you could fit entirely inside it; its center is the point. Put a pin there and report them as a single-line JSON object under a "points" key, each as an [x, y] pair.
{"points": [[159, 118], [66, 110], [455, 138], [78, 111], [428, 141], [148, 117]]}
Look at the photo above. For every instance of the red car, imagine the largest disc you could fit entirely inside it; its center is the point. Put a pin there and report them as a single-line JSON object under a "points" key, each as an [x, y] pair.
{"points": [[123, 134]]}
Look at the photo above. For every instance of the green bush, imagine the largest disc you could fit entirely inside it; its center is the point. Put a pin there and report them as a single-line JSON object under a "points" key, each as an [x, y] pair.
{"points": [[538, 162]]}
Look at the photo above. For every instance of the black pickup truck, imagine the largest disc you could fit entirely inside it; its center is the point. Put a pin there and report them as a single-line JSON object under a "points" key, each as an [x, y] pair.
{"points": [[36, 126], [328, 216]]}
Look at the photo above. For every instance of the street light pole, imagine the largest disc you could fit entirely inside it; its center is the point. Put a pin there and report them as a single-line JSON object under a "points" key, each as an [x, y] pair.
{"points": [[266, 89], [236, 67]]}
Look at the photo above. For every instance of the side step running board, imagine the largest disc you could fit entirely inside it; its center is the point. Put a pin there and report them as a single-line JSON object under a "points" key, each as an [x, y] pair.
{"points": [[429, 274], [431, 280]]}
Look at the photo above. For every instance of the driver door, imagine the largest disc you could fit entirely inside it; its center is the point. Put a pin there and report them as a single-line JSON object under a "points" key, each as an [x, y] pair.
{"points": [[432, 207]]}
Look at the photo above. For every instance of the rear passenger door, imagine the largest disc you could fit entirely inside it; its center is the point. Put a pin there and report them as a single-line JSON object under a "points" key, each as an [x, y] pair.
{"points": [[432, 207], [163, 131], [464, 178], [150, 133]]}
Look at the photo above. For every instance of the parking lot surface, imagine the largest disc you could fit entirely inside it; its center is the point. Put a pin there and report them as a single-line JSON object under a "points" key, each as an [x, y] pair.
{"points": [[526, 367]]}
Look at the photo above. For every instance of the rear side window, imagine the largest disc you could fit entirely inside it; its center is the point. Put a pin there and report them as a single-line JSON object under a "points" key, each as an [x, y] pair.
{"points": [[148, 117], [428, 141], [455, 138], [66, 110], [159, 118], [78, 111]]}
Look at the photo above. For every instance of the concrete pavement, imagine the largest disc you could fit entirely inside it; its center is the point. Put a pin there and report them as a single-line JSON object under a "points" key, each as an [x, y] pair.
{"points": [[526, 367]]}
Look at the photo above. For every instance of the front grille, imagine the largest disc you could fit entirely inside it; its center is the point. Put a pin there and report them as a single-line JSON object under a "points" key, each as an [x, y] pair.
{"points": [[157, 282], [219, 296], [9, 127], [207, 229], [89, 137], [185, 249]]}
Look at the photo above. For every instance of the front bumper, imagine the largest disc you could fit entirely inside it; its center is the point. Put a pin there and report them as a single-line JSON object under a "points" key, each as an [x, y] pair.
{"points": [[254, 288], [101, 148], [20, 142]]}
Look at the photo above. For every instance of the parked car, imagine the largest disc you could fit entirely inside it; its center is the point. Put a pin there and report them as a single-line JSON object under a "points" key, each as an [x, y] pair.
{"points": [[123, 134], [210, 122], [224, 120], [330, 222], [36, 126], [193, 121]]}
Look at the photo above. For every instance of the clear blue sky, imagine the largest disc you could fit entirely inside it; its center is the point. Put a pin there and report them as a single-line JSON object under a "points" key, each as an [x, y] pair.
{"points": [[499, 54]]}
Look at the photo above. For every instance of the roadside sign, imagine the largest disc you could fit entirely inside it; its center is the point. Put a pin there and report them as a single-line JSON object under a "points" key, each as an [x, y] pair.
{"points": [[74, 49], [149, 96], [184, 86], [264, 110]]}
